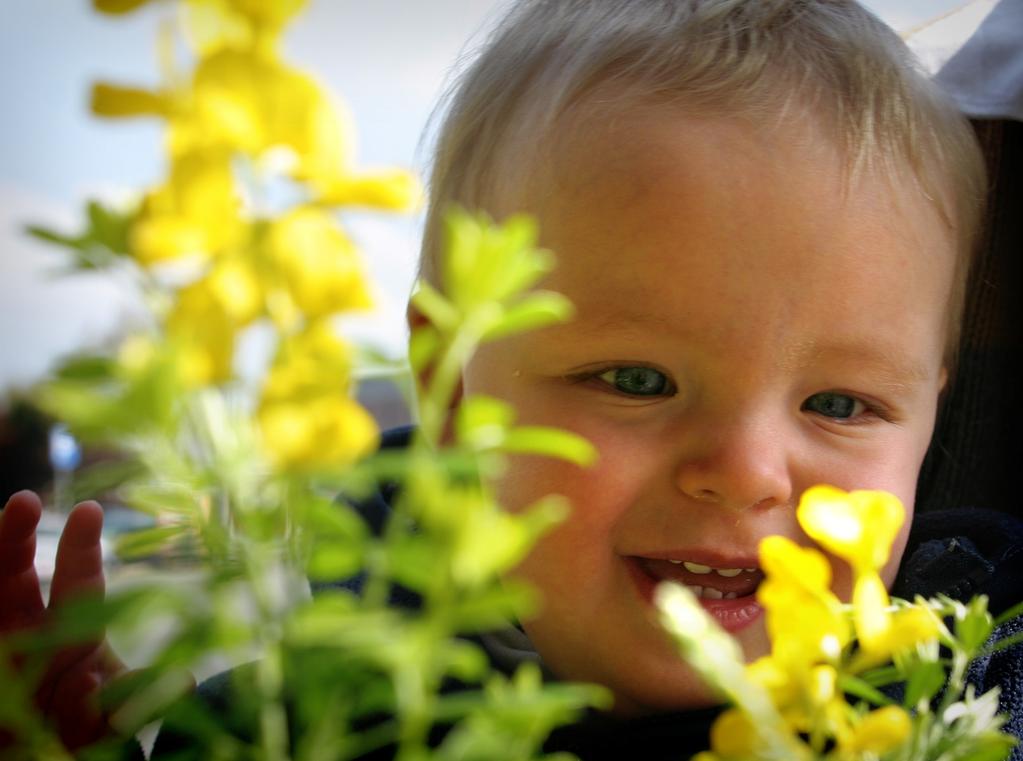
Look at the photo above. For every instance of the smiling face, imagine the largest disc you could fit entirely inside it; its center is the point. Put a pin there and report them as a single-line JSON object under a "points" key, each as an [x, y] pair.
{"points": [[748, 324]]}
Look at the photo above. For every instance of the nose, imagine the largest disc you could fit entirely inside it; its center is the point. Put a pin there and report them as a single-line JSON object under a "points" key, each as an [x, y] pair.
{"points": [[738, 465]]}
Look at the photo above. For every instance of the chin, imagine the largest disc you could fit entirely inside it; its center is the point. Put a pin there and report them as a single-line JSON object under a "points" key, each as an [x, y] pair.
{"points": [[668, 684], [678, 689]]}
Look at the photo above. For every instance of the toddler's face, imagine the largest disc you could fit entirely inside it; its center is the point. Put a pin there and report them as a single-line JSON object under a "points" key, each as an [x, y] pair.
{"points": [[748, 325]]}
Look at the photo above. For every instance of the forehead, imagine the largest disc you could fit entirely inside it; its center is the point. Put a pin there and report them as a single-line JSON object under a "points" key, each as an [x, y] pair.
{"points": [[650, 208]]}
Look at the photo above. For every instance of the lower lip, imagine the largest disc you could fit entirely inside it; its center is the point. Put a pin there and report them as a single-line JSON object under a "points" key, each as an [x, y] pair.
{"points": [[731, 615]]}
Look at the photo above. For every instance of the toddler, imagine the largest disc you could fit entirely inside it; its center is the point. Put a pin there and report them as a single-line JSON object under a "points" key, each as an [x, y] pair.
{"points": [[764, 215]]}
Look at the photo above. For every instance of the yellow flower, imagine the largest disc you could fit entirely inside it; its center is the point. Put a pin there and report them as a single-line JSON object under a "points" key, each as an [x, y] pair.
{"points": [[236, 286], [804, 618], [910, 627], [204, 335], [877, 733], [117, 6], [249, 101], [870, 611], [883, 633], [269, 13], [317, 263], [860, 527], [320, 432], [773, 676], [313, 363], [214, 23], [305, 416], [118, 101], [194, 212], [857, 526], [733, 736], [396, 190]]}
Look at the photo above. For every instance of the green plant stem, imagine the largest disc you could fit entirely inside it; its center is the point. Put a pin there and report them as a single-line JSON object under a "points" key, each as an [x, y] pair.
{"points": [[956, 678], [273, 720], [445, 379], [433, 414], [371, 739], [1007, 615], [1002, 644]]}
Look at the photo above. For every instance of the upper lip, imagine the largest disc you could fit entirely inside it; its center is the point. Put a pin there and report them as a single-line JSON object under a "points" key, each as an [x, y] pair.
{"points": [[706, 557]]}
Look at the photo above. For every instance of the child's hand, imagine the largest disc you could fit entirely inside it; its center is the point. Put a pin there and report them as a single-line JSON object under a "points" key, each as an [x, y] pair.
{"points": [[67, 694]]}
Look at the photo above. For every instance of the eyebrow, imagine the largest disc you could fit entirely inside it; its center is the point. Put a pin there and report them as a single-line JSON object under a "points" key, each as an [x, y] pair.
{"points": [[894, 367]]}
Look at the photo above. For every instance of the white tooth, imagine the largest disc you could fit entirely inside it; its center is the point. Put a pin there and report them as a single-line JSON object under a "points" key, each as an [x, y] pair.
{"points": [[696, 567], [729, 572], [696, 590], [749, 570], [730, 595], [676, 562], [712, 594]]}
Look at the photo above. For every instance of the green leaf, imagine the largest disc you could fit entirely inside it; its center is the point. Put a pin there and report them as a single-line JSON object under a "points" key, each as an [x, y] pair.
{"points": [[537, 310], [925, 679], [487, 264], [435, 307], [1003, 644], [857, 687], [88, 368], [990, 747], [492, 607], [143, 695], [882, 676], [973, 625], [1007, 615], [461, 659], [551, 442], [423, 346], [104, 241], [334, 560], [159, 499], [334, 520], [51, 236], [415, 561], [481, 422], [93, 480], [90, 414], [323, 618], [148, 541], [489, 543], [525, 262], [109, 228]]}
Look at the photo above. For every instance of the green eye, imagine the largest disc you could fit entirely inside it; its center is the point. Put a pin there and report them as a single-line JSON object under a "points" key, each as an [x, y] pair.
{"points": [[637, 381], [834, 405]]}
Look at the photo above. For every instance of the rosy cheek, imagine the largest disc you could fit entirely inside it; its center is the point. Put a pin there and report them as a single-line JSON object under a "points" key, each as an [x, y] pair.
{"points": [[891, 568]]}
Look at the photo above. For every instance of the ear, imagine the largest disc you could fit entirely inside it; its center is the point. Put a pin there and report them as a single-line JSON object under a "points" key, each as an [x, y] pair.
{"points": [[417, 320]]}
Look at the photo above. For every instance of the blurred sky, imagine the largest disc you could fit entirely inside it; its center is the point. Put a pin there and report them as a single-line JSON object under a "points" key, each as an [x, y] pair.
{"points": [[388, 59]]}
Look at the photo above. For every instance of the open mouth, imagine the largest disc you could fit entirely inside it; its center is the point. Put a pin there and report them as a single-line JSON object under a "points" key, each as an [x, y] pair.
{"points": [[727, 594]]}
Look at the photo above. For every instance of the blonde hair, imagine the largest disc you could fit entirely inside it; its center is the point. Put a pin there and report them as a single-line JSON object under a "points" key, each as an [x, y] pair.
{"points": [[751, 58]]}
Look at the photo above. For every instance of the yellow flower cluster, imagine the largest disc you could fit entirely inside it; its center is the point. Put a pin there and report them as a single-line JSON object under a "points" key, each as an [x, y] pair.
{"points": [[811, 631], [243, 111]]}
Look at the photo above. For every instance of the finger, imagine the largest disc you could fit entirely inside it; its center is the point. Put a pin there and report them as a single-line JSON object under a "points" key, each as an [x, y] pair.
{"points": [[78, 572], [75, 708], [79, 563], [18, 523], [21, 601]]}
